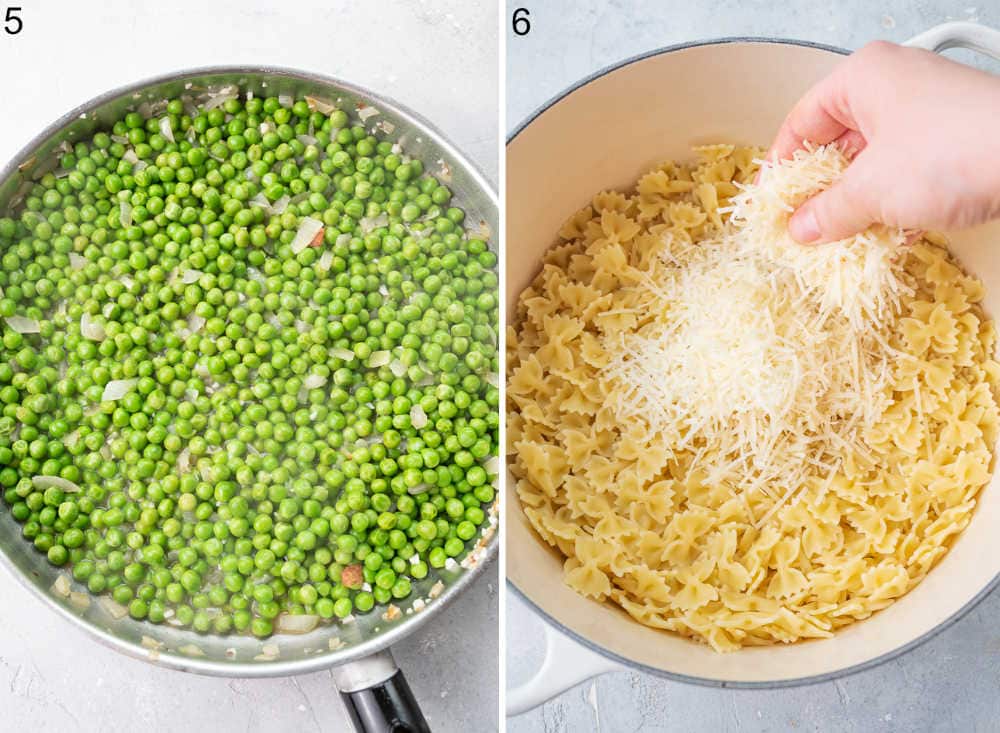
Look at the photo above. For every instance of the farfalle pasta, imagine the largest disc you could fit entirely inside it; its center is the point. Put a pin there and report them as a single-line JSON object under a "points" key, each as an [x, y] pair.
{"points": [[651, 523]]}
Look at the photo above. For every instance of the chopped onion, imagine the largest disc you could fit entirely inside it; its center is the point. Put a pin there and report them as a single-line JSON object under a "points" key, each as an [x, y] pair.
{"points": [[365, 112], [120, 139], [493, 466], [20, 324], [79, 600], [343, 239], [130, 157], [285, 100], [379, 359], [306, 139], [397, 148], [220, 98], [192, 134], [191, 276], [266, 127], [313, 381], [61, 587], [191, 650], [375, 222], [254, 274], [195, 323], [493, 378], [291, 623], [397, 367], [418, 489], [320, 105], [125, 213], [45, 482], [302, 326], [418, 417], [309, 228], [117, 388], [387, 127], [91, 329], [279, 206], [77, 262], [325, 261], [166, 130], [184, 460], [117, 610], [250, 175], [345, 354]]}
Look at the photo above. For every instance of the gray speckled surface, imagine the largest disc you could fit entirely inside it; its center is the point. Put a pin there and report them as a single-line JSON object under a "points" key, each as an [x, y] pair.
{"points": [[438, 57], [948, 684]]}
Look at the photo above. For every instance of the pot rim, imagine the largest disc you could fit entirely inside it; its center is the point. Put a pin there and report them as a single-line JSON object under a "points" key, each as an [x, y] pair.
{"points": [[410, 624], [676, 676]]}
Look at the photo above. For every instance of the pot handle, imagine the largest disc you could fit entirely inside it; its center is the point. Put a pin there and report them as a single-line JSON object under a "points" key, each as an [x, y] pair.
{"points": [[566, 664], [377, 697], [959, 34]]}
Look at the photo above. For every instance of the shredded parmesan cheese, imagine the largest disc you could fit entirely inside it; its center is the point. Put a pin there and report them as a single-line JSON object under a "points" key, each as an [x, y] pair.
{"points": [[766, 358]]}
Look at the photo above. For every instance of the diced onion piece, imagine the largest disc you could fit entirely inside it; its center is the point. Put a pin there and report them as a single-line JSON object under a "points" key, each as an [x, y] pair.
{"points": [[184, 460], [20, 324], [379, 359], [279, 206], [125, 213], [261, 201], [195, 323], [191, 276], [397, 148], [306, 139], [254, 274], [302, 326], [191, 650], [320, 105], [343, 239], [152, 644], [249, 174], [418, 489], [369, 224], [166, 130], [325, 261], [314, 381], [120, 139], [365, 112], [291, 623], [130, 157], [493, 466], [61, 587], [418, 417], [77, 262], [345, 354], [308, 229], [397, 367], [45, 482], [91, 329], [493, 378], [117, 610], [266, 127], [79, 600], [285, 100], [117, 388]]}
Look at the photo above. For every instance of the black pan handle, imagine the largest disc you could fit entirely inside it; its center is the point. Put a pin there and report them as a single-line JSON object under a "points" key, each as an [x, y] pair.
{"points": [[377, 696]]}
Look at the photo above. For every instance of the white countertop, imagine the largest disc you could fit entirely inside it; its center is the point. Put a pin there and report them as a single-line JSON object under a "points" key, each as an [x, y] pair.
{"points": [[949, 683], [438, 57]]}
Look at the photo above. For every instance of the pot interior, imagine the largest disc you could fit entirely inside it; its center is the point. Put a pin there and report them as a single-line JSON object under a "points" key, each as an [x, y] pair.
{"points": [[243, 655], [604, 135]]}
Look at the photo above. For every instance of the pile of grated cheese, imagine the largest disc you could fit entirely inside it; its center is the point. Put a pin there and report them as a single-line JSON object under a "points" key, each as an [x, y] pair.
{"points": [[767, 359]]}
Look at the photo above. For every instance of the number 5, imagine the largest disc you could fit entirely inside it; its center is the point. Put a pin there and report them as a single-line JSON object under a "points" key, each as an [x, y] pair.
{"points": [[13, 23], [521, 23]]}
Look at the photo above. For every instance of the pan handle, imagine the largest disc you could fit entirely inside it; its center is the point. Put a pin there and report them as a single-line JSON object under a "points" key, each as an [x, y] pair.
{"points": [[566, 663], [377, 696], [959, 34]]}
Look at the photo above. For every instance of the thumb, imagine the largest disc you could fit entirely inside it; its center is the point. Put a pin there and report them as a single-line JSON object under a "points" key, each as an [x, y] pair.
{"points": [[844, 209]]}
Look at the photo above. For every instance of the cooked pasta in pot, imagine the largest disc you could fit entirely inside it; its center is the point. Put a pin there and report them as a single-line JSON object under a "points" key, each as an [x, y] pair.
{"points": [[736, 438]]}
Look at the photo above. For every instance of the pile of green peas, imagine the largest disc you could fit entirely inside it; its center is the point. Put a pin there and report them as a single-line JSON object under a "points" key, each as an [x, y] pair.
{"points": [[219, 492]]}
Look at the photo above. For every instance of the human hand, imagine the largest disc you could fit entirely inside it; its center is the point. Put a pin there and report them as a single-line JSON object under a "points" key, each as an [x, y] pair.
{"points": [[925, 133]]}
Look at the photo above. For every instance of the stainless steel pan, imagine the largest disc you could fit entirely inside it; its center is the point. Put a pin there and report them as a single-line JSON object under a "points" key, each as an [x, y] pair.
{"points": [[374, 689]]}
